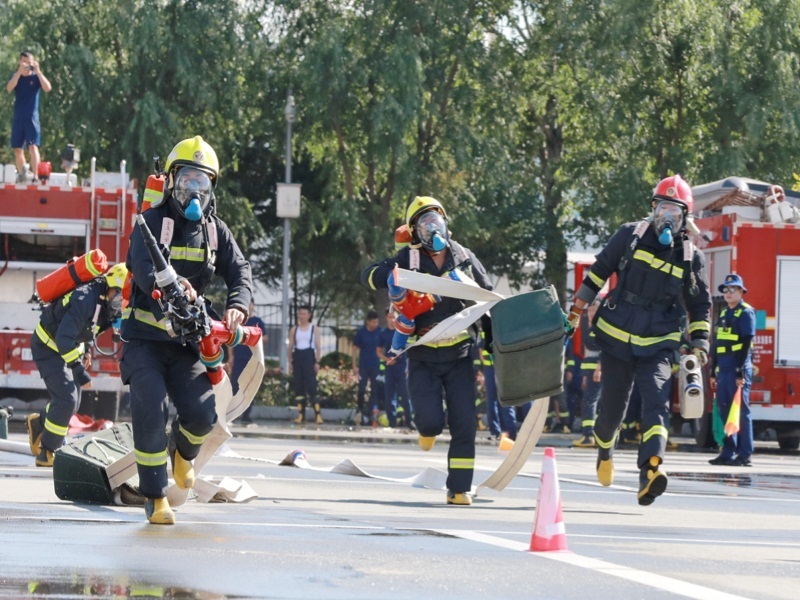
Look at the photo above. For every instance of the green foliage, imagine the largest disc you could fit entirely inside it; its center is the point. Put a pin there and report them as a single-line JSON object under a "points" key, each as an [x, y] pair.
{"points": [[539, 125], [276, 389], [337, 360], [337, 388]]}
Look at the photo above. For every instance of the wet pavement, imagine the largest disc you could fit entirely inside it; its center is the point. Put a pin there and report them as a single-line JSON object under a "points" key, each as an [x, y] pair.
{"points": [[718, 532]]}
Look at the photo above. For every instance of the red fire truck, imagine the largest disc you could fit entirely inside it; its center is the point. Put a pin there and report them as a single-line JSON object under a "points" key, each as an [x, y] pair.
{"points": [[41, 228], [745, 230]]}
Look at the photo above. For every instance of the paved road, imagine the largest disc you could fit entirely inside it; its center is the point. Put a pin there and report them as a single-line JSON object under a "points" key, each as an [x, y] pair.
{"points": [[717, 533]]}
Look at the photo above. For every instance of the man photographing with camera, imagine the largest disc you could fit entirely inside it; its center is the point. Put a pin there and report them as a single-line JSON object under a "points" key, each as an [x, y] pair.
{"points": [[26, 82]]}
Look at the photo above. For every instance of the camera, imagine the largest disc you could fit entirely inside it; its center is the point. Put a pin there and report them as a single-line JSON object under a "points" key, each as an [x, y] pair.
{"points": [[31, 70]]}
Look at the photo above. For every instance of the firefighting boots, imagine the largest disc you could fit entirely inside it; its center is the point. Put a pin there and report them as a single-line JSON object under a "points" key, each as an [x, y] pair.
{"points": [[318, 414], [301, 415], [481, 424], [605, 466], [44, 458], [182, 469], [586, 441], [459, 498], [652, 482], [426, 442], [35, 430], [158, 511]]}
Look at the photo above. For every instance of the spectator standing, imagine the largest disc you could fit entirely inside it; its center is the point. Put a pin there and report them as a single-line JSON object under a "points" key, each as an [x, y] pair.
{"points": [[397, 406], [305, 351], [365, 359], [501, 419], [26, 82]]}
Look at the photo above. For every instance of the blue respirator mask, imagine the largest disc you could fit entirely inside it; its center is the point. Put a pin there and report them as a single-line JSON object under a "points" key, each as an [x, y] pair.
{"points": [[667, 218], [432, 232], [192, 192]]}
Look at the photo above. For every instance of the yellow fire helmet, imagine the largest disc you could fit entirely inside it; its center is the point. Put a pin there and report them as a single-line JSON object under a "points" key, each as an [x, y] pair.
{"points": [[194, 152], [116, 275], [420, 205]]}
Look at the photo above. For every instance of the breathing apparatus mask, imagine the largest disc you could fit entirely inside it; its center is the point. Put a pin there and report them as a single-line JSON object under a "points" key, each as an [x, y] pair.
{"points": [[114, 306], [192, 192], [431, 230], [667, 218]]}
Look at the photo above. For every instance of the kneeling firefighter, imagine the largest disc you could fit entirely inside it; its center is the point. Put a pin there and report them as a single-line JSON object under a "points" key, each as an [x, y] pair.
{"points": [[160, 359], [441, 372], [58, 348], [638, 325]]}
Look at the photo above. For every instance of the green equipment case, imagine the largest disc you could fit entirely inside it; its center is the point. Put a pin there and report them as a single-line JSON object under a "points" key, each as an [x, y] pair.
{"points": [[528, 332], [79, 468]]}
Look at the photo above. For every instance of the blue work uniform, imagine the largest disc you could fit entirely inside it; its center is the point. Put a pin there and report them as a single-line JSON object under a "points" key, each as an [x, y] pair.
{"points": [[501, 419], [732, 359], [638, 327], [158, 367], [395, 383], [57, 347], [442, 373], [369, 368], [25, 129]]}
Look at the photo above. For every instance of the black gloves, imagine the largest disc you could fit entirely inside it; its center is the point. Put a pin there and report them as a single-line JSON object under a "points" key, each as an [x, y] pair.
{"points": [[79, 374]]}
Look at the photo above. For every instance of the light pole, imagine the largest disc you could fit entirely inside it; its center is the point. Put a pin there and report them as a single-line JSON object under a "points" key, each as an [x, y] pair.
{"points": [[287, 237]]}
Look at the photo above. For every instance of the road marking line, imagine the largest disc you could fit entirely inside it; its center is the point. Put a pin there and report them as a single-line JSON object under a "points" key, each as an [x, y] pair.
{"points": [[657, 539], [660, 582]]}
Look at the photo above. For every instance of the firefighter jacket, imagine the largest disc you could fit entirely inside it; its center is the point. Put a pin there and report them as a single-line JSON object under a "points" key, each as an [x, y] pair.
{"points": [[75, 318], [732, 342], [460, 258], [197, 250], [657, 286]]}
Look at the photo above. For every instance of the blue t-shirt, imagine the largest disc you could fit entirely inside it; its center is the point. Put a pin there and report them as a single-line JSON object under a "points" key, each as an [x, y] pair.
{"points": [[367, 342], [386, 343], [26, 94]]}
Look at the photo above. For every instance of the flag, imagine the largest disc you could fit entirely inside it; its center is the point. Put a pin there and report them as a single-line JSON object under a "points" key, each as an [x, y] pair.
{"points": [[732, 424]]}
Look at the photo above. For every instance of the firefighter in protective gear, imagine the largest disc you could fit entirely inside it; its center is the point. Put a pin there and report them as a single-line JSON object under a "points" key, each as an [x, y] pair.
{"points": [[442, 371], [157, 366], [59, 348], [591, 375], [638, 325], [732, 367]]}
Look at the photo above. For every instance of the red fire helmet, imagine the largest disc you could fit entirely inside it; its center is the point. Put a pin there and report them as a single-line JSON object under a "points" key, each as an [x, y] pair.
{"points": [[676, 189]]}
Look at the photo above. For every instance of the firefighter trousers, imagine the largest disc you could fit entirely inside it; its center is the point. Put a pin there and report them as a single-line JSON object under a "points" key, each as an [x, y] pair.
{"points": [[501, 418], [65, 396], [591, 397], [395, 387], [158, 372], [368, 375], [433, 385], [652, 375]]}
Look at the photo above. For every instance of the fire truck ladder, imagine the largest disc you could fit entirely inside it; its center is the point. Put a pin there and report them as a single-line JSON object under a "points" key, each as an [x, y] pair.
{"points": [[110, 226]]}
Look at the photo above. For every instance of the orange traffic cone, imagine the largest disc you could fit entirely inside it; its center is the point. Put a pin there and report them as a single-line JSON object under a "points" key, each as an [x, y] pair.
{"points": [[548, 527], [506, 444]]}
